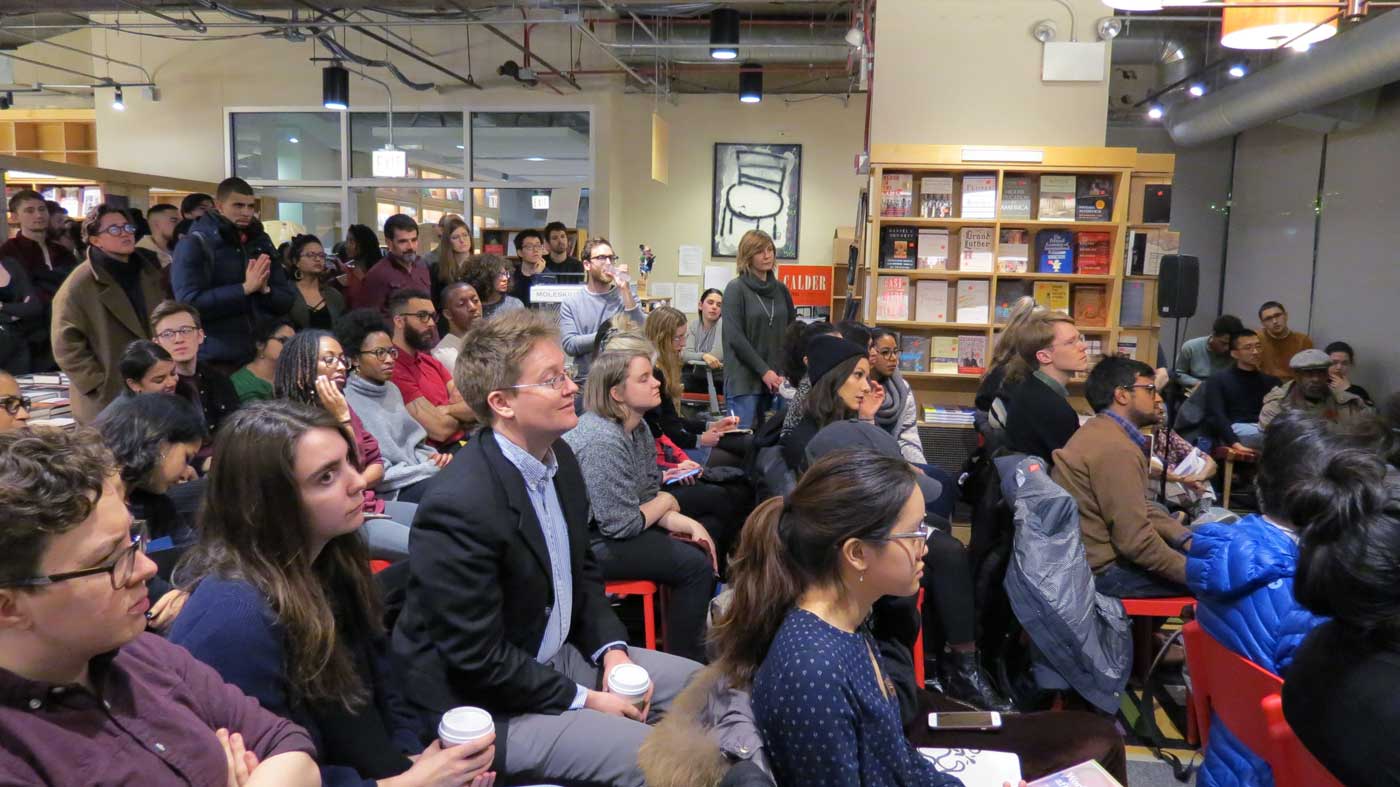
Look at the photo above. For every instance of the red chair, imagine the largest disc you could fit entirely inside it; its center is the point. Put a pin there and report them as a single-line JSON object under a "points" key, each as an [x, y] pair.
{"points": [[919, 646], [647, 590], [376, 566], [1245, 696]]}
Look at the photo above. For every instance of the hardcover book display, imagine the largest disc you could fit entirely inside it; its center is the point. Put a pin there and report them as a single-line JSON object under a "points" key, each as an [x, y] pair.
{"points": [[976, 254], [936, 197], [979, 196], [1054, 251], [899, 248]]}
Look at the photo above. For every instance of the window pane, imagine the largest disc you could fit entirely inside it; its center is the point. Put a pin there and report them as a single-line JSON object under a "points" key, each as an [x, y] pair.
{"points": [[517, 209], [286, 145], [311, 210], [372, 206], [432, 140], [525, 147]]}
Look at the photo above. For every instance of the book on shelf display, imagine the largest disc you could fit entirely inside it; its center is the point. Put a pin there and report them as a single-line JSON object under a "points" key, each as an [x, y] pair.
{"points": [[913, 353], [931, 300], [897, 195], [1128, 346], [1008, 292], [944, 355], [1093, 348], [1054, 251], [1130, 311], [932, 252], [973, 297], [1094, 198], [893, 302], [1090, 305], [1013, 250], [1016, 197], [976, 249], [979, 196], [1093, 252], [972, 354], [936, 197], [1160, 243], [1056, 198], [899, 248], [1053, 295]]}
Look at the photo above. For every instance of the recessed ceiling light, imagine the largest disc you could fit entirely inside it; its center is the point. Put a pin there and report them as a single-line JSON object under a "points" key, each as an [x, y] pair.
{"points": [[293, 140], [537, 158], [1197, 90], [1237, 71], [1155, 112]]}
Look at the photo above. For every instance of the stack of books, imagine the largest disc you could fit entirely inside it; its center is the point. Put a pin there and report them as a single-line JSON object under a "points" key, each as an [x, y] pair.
{"points": [[948, 414]]}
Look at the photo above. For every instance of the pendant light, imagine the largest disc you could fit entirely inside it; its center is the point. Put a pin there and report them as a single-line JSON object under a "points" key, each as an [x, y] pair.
{"points": [[724, 34], [751, 83], [335, 87], [1271, 27]]}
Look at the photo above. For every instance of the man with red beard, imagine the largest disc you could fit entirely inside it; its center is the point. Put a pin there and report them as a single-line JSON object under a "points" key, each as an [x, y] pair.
{"points": [[428, 391]]}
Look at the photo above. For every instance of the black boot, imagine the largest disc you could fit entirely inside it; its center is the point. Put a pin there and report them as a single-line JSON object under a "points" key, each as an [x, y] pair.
{"points": [[964, 679]]}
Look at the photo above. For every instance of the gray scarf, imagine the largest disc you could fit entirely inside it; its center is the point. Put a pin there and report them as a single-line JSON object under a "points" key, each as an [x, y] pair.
{"points": [[887, 417]]}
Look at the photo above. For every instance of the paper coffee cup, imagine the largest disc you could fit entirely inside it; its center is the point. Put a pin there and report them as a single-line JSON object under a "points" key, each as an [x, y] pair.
{"points": [[464, 725], [630, 681]]}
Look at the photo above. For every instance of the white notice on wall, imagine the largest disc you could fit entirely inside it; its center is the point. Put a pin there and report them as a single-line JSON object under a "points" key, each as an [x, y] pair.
{"points": [[717, 276], [690, 260], [687, 297], [662, 289]]}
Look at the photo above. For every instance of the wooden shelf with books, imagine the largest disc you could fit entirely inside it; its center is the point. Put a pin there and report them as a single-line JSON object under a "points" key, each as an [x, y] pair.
{"points": [[957, 231]]}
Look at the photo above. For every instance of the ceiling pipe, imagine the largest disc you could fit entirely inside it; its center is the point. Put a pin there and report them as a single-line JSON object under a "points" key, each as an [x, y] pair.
{"points": [[819, 42], [1363, 58], [386, 42], [497, 32], [1173, 57]]}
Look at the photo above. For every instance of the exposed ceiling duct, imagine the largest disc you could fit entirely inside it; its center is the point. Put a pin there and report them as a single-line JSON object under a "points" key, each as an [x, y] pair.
{"points": [[1167, 50], [1361, 59], [800, 42]]}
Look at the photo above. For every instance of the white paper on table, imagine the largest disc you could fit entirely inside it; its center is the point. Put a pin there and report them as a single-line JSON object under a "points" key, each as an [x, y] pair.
{"points": [[662, 289], [716, 276], [690, 260], [687, 297], [976, 767]]}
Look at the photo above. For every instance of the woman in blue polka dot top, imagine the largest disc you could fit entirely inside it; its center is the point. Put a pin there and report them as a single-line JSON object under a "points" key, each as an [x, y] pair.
{"points": [[806, 573]]}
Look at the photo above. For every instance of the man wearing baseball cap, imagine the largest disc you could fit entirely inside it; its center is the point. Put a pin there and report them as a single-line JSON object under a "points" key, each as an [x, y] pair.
{"points": [[1311, 390]]}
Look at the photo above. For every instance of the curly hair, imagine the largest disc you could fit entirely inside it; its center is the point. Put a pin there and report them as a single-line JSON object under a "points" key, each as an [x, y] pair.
{"points": [[298, 245], [354, 327], [50, 482], [482, 271], [295, 378], [136, 428]]}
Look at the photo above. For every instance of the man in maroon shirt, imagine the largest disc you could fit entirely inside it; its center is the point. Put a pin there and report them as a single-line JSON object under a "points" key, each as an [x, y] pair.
{"points": [[428, 391], [47, 263], [86, 696], [400, 270]]}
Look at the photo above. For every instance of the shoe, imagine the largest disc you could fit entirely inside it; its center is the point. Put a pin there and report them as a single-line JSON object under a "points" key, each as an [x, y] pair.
{"points": [[931, 681], [964, 679]]}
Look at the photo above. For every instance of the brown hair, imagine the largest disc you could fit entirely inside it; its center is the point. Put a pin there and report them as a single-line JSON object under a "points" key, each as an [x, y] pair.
{"points": [[1005, 348], [26, 195], [608, 371], [92, 222], [50, 482], [593, 243], [824, 401], [1037, 333], [661, 326], [253, 527], [481, 272], [492, 352], [167, 308], [449, 269], [753, 242], [789, 545]]}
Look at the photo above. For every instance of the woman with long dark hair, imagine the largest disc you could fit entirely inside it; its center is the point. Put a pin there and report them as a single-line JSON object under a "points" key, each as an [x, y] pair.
{"points": [[491, 275], [254, 381], [359, 253], [283, 605], [317, 304], [795, 341], [146, 367]]}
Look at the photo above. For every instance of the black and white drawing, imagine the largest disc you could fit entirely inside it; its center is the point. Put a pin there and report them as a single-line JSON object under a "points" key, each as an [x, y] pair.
{"points": [[756, 187]]}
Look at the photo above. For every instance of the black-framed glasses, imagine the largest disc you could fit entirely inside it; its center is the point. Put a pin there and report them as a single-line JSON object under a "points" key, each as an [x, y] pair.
{"points": [[557, 382], [170, 333], [423, 316], [13, 404], [332, 360], [888, 352], [532, 247], [605, 258], [382, 352], [313, 255], [119, 229], [120, 570], [1151, 388]]}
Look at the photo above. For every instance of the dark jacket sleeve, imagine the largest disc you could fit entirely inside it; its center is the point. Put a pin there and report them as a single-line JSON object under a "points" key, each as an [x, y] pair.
{"points": [[794, 445], [736, 343], [1216, 413], [281, 294], [192, 280], [403, 722], [24, 303], [1056, 430]]}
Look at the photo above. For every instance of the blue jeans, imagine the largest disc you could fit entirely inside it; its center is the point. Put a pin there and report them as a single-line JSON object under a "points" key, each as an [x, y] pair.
{"points": [[1123, 579], [1250, 435], [388, 538]]}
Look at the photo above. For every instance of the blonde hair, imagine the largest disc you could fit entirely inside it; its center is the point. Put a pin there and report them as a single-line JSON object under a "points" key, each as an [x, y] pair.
{"points": [[450, 269], [1005, 348], [753, 242], [1034, 335], [492, 353], [608, 371], [661, 328]]}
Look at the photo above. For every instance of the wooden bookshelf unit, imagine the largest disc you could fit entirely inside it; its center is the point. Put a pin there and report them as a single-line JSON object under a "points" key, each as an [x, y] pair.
{"points": [[1124, 168], [64, 135]]}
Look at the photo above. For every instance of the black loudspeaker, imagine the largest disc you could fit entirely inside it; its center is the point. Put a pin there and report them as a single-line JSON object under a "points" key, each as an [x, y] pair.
{"points": [[1157, 203], [1178, 280]]}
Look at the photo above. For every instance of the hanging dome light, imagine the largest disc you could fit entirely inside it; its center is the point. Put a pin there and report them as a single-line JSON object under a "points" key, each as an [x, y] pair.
{"points": [[724, 34], [1272, 27], [751, 83], [335, 87]]}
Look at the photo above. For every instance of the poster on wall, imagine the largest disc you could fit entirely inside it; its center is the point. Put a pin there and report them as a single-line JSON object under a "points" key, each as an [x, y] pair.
{"points": [[756, 187]]}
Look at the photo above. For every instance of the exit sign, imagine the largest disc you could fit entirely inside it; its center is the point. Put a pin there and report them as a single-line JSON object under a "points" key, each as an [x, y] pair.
{"points": [[389, 163]]}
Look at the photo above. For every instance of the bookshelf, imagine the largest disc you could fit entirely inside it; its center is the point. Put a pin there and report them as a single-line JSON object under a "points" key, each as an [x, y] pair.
{"points": [[1123, 170], [1151, 169], [63, 135]]}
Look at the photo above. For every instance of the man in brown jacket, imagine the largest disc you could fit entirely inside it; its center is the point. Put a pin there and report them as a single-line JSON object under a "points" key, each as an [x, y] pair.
{"points": [[101, 308], [1136, 549]]}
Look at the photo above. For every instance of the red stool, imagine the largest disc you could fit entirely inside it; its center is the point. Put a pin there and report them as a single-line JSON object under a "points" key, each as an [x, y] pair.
{"points": [[645, 589], [919, 646], [1145, 612]]}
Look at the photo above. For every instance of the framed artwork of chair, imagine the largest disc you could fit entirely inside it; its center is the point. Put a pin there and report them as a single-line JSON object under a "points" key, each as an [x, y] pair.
{"points": [[756, 186]]}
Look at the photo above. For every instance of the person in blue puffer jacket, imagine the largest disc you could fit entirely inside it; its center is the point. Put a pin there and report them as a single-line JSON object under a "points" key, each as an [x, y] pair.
{"points": [[1242, 573]]}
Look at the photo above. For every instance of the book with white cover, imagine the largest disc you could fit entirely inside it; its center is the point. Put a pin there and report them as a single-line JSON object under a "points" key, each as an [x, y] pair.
{"points": [[976, 256], [973, 297], [931, 301]]}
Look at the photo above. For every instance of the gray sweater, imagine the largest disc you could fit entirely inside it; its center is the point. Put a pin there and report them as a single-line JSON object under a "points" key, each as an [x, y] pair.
{"points": [[698, 341], [755, 316], [402, 440], [580, 316], [619, 470]]}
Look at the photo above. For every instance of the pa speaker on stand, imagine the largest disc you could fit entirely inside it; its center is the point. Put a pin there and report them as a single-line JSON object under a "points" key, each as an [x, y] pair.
{"points": [[1178, 282]]}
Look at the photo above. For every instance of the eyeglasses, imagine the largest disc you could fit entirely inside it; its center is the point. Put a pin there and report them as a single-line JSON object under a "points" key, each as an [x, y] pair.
{"points": [[119, 570], [532, 247], [170, 333], [888, 352], [332, 360], [119, 229], [605, 258], [1078, 339], [422, 316], [382, 352], [557, 382], [313, 255], [13, 404], [1151, 388], [922, 532]]}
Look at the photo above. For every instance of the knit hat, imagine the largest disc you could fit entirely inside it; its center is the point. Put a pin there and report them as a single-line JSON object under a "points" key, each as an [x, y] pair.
{"points": [[1309, 359], [825, 353]]}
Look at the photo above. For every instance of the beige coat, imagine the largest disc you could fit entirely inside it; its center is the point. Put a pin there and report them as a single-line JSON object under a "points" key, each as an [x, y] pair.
{"points": [[1340, 408], [93, 322]]}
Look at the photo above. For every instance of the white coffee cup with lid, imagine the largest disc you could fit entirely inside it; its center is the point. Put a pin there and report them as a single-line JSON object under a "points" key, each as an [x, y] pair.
{"points": [[464, 725], [630, 681]]}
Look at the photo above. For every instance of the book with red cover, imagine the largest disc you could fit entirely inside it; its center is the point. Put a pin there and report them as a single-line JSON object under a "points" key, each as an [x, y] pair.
{"points": [[1093, 253], [1090, 305]]}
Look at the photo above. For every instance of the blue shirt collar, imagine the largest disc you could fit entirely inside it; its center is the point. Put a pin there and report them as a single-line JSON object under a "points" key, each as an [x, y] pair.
{"points": [[1133, 432], [535, 472]]}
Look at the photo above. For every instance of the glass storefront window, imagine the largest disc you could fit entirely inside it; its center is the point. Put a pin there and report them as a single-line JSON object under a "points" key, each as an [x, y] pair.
{"points": [[525, 147], [310, 210], [286, 145], [520, 208], [432, 140]]}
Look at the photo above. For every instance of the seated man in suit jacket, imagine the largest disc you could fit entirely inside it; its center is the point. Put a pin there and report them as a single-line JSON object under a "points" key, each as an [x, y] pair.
{"points": [[505, 606]]}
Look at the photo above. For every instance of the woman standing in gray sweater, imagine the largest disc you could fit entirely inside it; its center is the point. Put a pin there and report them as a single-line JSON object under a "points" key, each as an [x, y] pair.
{"points": [[635, 519], [757, 310]]}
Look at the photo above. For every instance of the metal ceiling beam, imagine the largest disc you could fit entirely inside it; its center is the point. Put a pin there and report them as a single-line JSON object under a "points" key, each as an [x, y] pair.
{"points": [[496, 31], [386, 42]]}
